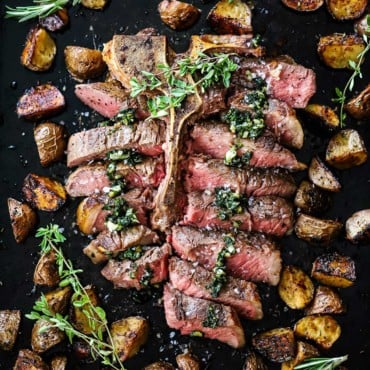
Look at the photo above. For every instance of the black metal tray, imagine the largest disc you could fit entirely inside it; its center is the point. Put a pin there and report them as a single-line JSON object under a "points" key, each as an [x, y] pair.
{"points": [[284, 31]]}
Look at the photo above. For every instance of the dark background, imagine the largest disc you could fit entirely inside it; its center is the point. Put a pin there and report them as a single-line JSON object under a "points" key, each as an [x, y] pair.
{"points": [[284, 31]]}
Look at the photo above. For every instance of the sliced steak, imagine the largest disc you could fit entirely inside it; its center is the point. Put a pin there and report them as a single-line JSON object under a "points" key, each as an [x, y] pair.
{"points": [[257, 258], [108, 244], [215, 139], [213, 101], [147, 138], [204, 173], [214, 320], [151, 268], [267, 214], [194, 280]]}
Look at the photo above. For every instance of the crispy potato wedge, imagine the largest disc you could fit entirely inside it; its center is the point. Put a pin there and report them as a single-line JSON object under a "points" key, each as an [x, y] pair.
{"points": [[362, 26], [334, 270], [325, 301], [295, 288], [304, 351], [160, 365], [344, 10], [40, 102], [359, 106], [39, 51], [58, 299], [311, 199], [186, 361], [231, 17], [46, 270], [9, 326], [323, 114], [87, 214], [358, 227], [254, 362], [22, 218], [45, 336], [28, 360], [303, 6], [346, 149], [43, 193], [178, 15], [277, 345], [94, 4], [129, 335], [322, 177], [51, 142], [315, 230], [338, 50], [323, 330], [56, 21], [58, 363]]}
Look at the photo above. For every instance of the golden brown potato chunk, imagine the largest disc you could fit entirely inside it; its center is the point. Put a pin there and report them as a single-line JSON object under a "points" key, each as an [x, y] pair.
{"points": [[23, 219], [9, 326], [359, 106], [86, 214], [28, 360], [304, 351], [334, 270], [186, 361], [346, 9], [231, 17], [58, 363], [39, 51], [326, 301], [129, 335], [177, 14], [160, 365], [295, 288], [43, 193], [277, 345], [56, 21], [46, 271], [322, 177], [303, 5], [346, 149], [58, 299], [362, 25], [51, 142], [83, 63], [44, 336], [94, 4], [338, 50], [323, 330], [324, 114], [254, 362], [358, 227]]}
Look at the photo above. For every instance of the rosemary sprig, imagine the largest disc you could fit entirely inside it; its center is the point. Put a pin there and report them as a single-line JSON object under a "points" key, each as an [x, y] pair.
{"points": [[51, 236], [321, 363], [39, 9]]}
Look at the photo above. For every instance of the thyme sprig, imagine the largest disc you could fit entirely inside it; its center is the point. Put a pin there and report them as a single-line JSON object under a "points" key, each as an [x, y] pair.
{"points": [[321, 363], [51, 236], [39, 9]]}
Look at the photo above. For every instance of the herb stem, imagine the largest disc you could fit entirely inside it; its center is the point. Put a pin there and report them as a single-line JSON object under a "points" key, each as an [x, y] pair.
{"points": [[321, 363]]}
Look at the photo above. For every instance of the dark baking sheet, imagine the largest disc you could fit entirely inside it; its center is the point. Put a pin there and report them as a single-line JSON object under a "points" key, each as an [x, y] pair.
{"points": [[284, 31]]}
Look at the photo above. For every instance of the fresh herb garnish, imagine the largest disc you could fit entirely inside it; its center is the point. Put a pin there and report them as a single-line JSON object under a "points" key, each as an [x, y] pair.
{"points": [[124, 117], [146, 277], [121, 215], [132, 253], [211, 320], [230, 203], [127, 156], [196, 333], [99, 347], [321, 363], [232, 158]]}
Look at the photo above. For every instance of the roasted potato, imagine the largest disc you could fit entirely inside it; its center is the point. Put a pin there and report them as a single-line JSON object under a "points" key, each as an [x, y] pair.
{"points": [[359, 106], [186, 361], [43, 193], [129, 335], [231, 17], [94, 4], [325, 301], [88, 214], [28, 360], [58, 363], [254, 362], [277, 345], [83, 63], [346, 149], [9, 326], [334, 270], [56, 21], [311, 199], [23, 219], [323, 330], [44, 336], [323, 114], [338, 50], [362, 25], [46, 271], [177, 14], [358, 226], [304, 351], [160, 365], [40, 49], [82, 352], [346, 9], [303, 6], [58, 299], [40, 102], [295, 288], [51, 142], [322, 177]]}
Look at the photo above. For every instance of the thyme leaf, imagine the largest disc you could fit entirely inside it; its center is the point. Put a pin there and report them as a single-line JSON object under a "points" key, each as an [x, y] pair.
{"points": [[321, 363]]}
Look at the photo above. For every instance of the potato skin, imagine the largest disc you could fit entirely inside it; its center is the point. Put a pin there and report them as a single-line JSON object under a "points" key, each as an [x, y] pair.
{"points": [[160, 365], [324, 114], [343, 10], [42, 341], [23, 219], [322, 177], [55, 22], [325, 301], [94, 4], [83, 63], [9, 326], [254, 362], [58, 299], [358, 227], [58, 363], [46, 271], [359, 106], [86, 214], [303, 6], [304, 351], [28, 360], [187, 361]]}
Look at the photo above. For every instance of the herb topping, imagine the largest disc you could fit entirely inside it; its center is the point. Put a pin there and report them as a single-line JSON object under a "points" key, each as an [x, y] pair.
{"points": [[230, 203], [211, 321], [232, 158]]}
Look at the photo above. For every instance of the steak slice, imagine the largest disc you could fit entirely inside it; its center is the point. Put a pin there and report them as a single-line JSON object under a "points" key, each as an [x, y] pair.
{"points": [[215, 139], [214, 320], [111, 243], [257, 258], [193, 280], [207, 174], [213, 101], [151, 268], [147, 138], [267, 214]]}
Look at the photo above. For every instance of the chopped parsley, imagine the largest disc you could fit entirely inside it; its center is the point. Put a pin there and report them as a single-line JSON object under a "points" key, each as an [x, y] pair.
{"points": [[127, 156], [146, 277], [132, 253], [124, 117], [121, 215], [229, 203], [232, 158], [211, 320], [196, 333]]}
